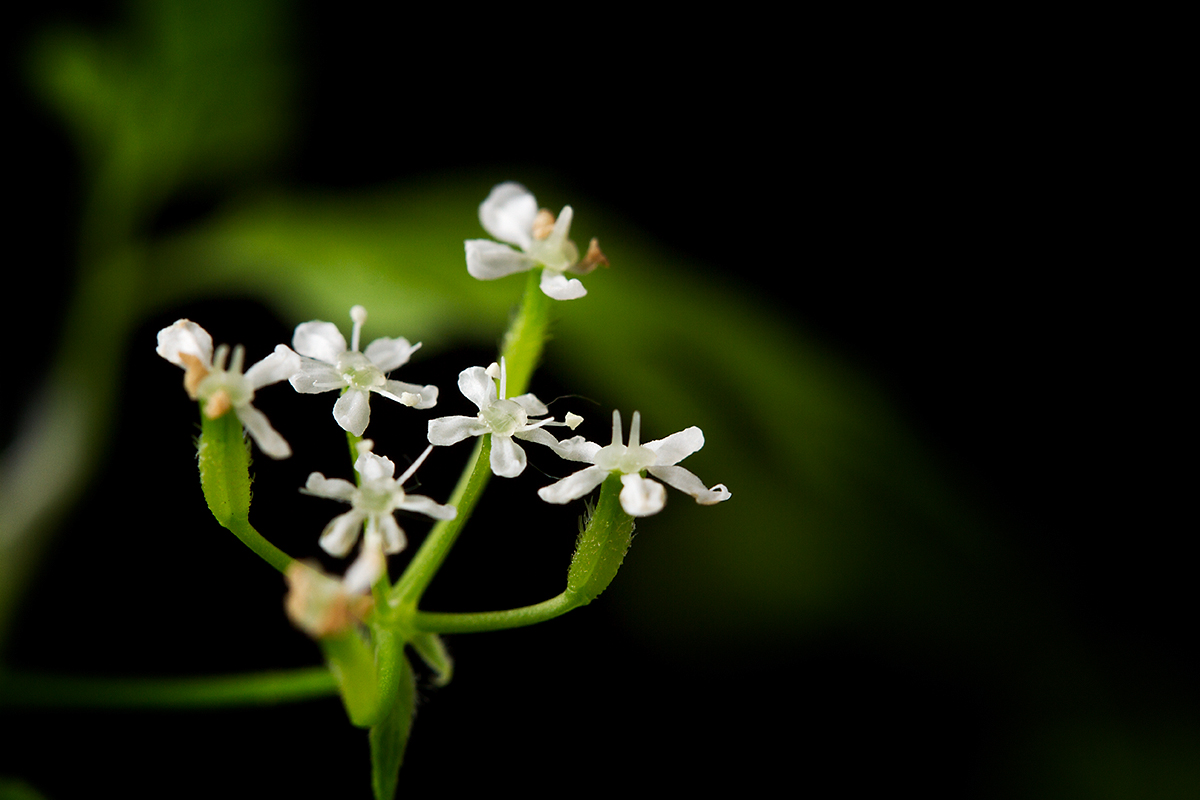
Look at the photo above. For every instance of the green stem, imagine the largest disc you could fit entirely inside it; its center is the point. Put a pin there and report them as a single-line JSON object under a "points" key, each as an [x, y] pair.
{"points": [[526, 336], [495, 620], [264, 688], [225, 478], [521, 351], [433, 551]]}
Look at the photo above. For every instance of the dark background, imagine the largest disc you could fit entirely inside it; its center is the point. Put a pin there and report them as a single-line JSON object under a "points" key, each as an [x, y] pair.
{"points": [[945, 216]]}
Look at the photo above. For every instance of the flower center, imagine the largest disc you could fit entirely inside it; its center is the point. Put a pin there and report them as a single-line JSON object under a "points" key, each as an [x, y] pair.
{"points": [[379, 496], [221, 390], [357, 370], [627, 460], [504, 417]]}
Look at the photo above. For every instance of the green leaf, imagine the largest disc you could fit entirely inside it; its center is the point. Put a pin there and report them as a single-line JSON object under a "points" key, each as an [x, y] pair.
{"points": [[390, 737]]}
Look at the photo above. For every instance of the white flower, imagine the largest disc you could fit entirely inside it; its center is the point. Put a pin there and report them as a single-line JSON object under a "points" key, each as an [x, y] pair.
{"points": [[640, 496], [327, 364], [502, 417], [187, 345], [510, 214], [373, 502]]}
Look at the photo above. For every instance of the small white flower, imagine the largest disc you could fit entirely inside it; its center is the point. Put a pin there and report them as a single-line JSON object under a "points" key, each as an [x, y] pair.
{"points": [[206, 379], [510, 213], [327, 364], [501, 416], [640, 496], [373, 502]]}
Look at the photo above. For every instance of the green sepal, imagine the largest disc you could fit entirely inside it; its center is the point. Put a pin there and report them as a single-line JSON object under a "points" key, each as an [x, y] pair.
{"points": [[390, 737], [352, 663], [603, 541], [432, 650]]}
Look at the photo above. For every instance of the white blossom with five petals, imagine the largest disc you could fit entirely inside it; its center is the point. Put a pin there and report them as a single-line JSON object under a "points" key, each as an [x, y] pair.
{"points": [[502, 417], [510, 213], [327, 364], [640, 497], [206, 379], [374, 500]]}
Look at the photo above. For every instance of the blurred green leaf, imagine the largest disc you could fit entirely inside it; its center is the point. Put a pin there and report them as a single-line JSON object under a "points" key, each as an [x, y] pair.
{"points": [[186, 93]]}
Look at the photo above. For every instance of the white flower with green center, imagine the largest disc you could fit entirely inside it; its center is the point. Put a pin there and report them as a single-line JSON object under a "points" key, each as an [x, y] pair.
{"points": [[327, 364], [374, 501], [640, 496], [510, 213], [220, 390], [502, 417]]}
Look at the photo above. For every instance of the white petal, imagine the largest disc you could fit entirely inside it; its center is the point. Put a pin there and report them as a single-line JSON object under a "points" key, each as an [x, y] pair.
{"points": [[342, 532], [353, 411], [577, 449], [314, 377], [373, 467], [539, 435], [477, 386], [508, 214], [187, 337], [333, 488], [394, 539], [260, 430], [445, 431], [556, 251], [488, 260], [573, 486], [279, 366], [421, 504], [533, 407], [641, 497], [410, 394], [677, 446], [688, 483], [366, 569], [557, 286], [388, 354], [320, 340], [507, 459]]}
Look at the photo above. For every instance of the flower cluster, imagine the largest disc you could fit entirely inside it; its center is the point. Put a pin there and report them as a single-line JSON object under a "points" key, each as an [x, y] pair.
{"points": [[319, 360]]}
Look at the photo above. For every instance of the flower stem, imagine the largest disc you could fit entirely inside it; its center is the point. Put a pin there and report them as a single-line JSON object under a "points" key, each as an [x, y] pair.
{"points": [[522, 349], [496, 620], [526, 336], [433, 551]]}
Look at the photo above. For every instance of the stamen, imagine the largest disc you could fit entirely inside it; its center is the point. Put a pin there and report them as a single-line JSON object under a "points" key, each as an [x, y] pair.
{"points": [[219, 357], [503, 379], [592, 259], [359, 315], [635, 431], [217, 404], [408, 472], [616, 427], [543, 224], [195, 371]]}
